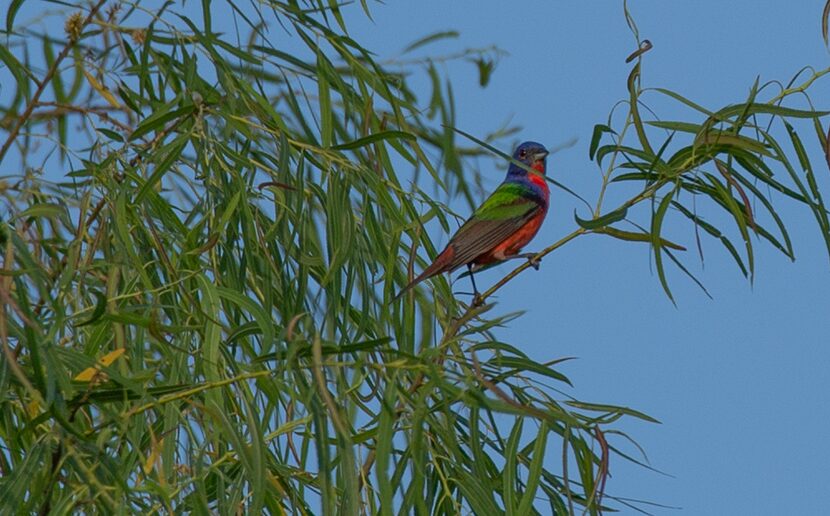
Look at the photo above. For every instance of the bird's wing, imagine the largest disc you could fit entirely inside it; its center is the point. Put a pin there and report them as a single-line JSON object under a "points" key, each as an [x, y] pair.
{"points": [[501, 215]]}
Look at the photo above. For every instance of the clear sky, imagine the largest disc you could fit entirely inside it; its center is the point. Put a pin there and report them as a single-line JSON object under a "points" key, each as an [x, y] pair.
{"points": [[739, 382]]}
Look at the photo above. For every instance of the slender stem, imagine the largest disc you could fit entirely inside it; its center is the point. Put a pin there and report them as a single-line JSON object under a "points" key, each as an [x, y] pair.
{"points": [[99, 111], [10, 355], [42, 86], [607, 175], [802, 87], [541, 254], [566, 482]]}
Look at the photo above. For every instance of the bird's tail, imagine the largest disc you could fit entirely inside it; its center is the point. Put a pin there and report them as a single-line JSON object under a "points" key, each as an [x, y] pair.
{"points": [[409, 287], [428, 273], [442, 263]]}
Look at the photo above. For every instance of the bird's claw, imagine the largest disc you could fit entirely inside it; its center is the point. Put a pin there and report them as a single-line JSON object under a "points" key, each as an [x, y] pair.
{"points": [[477, 300], [534, 261]]}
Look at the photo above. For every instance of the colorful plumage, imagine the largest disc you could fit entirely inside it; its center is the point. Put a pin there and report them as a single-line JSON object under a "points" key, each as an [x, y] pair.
{"points": [[499, 228]]}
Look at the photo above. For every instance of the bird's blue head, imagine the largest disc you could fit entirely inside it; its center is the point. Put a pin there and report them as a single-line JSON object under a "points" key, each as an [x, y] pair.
{"points": [[532, 154]]}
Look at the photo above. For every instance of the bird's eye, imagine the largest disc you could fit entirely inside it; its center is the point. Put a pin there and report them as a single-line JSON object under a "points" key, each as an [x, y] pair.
{"points": [[522, 153]]}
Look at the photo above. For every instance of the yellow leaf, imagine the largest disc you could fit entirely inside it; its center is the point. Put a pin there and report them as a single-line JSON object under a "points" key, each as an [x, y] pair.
{"points": [[155, 450], [100, 88], [33, 408], [87, 374], [91, 372], [110, 357]]}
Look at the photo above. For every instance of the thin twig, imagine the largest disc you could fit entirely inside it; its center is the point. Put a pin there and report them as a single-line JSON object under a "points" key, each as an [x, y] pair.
{"points": [[320, 376], [11, 354], [99, 111], [603, 465], [133, 162], [602, 473], [724, 170], [566, 481], [538, 257], [801, 87], [185, 394], [22, 119], [503, 395]]}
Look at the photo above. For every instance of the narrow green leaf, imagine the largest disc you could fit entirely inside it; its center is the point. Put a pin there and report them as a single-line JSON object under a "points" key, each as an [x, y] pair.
{"points": [[687, 272], [479, 496], [529, 366], [683, 127], [112, 135], [158, 119], [45, 210], [323, 90], [636, 237], [11, 13], [384, 449], [509, 477], [78, 78], [171, 153], [766, 109], [634, 108], [485, 70], [657, 241], [449, 34], [612, 409], [715, 232], [786, 247], [367, 140], [535, 470], [206, 16], [259, 314], [804, 160], [603, 220], [335, 10], [659, 165], [599, 130], [732, 140], [100, 309], [19, 72], [17, 484]]}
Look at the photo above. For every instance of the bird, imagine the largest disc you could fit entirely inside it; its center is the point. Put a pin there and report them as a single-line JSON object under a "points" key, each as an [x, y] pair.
{"points": [[502, 225]]}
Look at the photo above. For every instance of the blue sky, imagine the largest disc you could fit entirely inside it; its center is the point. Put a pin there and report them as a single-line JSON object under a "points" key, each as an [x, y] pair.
{"points": [[740, 381]]}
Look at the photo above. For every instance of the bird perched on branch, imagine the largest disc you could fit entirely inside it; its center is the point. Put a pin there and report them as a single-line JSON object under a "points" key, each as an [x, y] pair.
{"points": [[506, 222]]}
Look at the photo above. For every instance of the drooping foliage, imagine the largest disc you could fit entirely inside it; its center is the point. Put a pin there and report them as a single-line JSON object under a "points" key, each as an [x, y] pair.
{"points": [[206, 211]]}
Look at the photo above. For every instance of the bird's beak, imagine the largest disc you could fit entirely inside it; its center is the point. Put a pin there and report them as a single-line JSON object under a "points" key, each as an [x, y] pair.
{"points": [[539, 156]]}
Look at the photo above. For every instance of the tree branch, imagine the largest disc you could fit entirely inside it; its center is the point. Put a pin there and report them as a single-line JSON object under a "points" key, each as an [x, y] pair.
{"points": [[33, 102]]}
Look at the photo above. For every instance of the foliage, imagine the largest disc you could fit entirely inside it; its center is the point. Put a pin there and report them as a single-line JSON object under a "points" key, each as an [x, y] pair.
{"points": [[195, 312]]}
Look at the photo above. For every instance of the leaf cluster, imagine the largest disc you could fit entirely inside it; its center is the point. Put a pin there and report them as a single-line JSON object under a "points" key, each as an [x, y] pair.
{"points": [[194, 310]]}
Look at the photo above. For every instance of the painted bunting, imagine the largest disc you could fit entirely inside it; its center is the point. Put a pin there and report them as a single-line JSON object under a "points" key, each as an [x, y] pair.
{"points": [[499, 228]]}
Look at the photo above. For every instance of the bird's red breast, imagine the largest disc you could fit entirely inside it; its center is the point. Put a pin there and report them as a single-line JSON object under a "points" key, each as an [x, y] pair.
{"points": [[539, 179]]}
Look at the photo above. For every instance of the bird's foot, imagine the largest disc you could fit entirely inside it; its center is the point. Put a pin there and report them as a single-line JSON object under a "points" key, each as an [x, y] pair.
{"points": [[477, 300], [534, 262], [533, 259]]}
